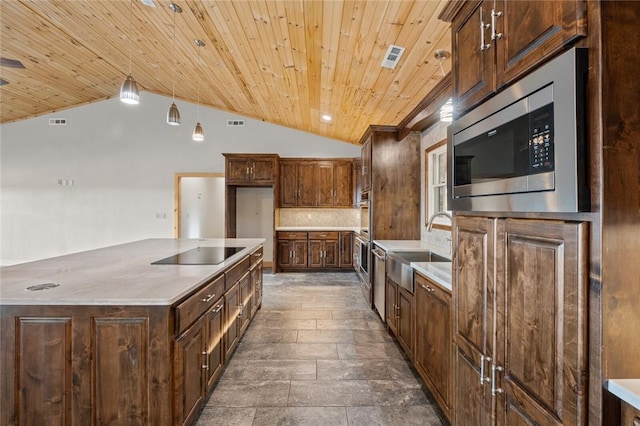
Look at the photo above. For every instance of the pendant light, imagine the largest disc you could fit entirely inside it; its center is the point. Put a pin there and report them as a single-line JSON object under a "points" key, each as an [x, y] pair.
{"points": [[198, 132], [173, 115], [129, 90]]}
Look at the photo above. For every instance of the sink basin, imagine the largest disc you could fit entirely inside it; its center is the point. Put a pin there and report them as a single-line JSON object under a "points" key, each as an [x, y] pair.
{"points": [[399, 268]]}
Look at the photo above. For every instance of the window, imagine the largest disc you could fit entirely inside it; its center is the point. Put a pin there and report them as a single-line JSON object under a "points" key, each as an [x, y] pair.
{"points": [[436, 184]]}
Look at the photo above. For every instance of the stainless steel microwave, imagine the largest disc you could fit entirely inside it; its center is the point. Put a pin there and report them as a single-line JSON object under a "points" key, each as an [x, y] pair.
{"points": [[524, 149]]}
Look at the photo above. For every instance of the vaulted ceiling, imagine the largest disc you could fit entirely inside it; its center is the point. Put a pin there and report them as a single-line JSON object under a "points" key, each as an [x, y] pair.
{"points": [[284, 62]]}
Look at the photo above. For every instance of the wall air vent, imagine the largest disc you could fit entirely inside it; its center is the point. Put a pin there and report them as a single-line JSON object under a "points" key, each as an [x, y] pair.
{"points": [[235, 123], [57, 122], [392, 57]]}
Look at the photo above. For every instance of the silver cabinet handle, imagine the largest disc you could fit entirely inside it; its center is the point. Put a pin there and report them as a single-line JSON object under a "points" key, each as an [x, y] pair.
{"points": [[205, 366], [494, 389], [208, 298], [494, 15], [483, 379], [483, 27], [218, 309]]}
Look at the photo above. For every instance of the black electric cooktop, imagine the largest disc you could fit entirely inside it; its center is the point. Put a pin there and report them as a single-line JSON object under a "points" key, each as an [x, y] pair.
{"points": [[200, 256]]}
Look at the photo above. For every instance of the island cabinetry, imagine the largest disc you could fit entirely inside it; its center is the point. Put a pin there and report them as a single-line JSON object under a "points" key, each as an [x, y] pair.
{"points": [[250, 169], [237, 283], [630, 415], [520, 321], [292, 250], [246, 304], [256, 280], [400, 315], [433, 351], [496, 42], [323, 249]]}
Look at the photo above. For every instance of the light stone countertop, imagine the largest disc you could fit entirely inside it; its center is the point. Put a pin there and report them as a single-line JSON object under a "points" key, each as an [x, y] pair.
{"points": [[117, 275], [318, 228], [627, 390], [439, 272]]}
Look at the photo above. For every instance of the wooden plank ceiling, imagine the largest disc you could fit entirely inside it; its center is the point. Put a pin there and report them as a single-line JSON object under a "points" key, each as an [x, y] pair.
{"points": [[284, 62]]}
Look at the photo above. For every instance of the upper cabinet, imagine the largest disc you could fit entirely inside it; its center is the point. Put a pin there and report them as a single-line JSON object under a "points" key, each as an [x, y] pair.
{"points": [[366, 168], [250, 169], [496, 42], [316, 183]]}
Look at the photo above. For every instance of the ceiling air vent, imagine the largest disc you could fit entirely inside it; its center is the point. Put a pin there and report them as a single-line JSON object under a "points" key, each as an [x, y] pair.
{"points": [[57, 122], [235, 123], [392, 57]]}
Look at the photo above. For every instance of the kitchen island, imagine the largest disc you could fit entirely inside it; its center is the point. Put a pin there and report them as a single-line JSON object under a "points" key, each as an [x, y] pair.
{"points": [[106, 336]]}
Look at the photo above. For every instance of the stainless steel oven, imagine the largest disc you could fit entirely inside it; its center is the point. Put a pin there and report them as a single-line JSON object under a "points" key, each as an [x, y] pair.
{"points": [[361, 257]]}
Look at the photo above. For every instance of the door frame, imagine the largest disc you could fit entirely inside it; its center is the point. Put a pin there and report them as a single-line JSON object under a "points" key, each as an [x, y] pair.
{"points": [[176, 198]]}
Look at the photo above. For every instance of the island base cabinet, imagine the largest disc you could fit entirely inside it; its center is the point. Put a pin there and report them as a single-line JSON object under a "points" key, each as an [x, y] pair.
{"points": [[232, 313], [190, 362], [79, 365]]}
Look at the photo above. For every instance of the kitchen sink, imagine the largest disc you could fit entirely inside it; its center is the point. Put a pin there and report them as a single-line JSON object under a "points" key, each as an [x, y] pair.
{"points": [[399, 268]]}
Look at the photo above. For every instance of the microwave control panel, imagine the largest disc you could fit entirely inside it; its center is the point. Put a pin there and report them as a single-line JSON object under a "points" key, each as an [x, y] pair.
{"points": [[541, 140]]}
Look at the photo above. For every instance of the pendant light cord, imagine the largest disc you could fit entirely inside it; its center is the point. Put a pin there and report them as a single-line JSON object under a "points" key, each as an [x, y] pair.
{"points": [[198, 86], [175, 62], [130, 44]]}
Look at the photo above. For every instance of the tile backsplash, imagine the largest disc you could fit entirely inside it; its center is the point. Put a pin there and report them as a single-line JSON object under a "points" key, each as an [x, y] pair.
{"points": [[318, 217]]}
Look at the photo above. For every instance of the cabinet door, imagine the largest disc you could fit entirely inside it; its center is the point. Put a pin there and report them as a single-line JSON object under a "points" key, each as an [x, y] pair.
{"points": [[189, 361], [532, 31], [214, 351], [236, 171], [343, 184], [246, 294], [256, 283], [285, 253], [346, 250], [307, 184], [391, 310], [366, 166], [433, 355], [541, 341], [232, 311], [262, 171], [473, 301], [473, 65], [288, 184], [405, 321], [316, 249], [299, 249], [326, 184], [330, 259]]}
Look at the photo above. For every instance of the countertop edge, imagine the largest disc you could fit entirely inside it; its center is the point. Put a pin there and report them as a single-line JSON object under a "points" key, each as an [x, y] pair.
{"points": [[423, 270], [628, 390]]}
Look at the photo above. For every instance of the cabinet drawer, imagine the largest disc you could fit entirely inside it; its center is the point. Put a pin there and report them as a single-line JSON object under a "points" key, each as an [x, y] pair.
{"points": [[431, 286], [323, 235], [189, 310], [234, 274], [284, 235], [256, 256]]}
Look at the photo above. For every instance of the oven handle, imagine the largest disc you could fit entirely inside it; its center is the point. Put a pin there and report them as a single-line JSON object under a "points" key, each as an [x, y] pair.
{"points": [[379, 253]]}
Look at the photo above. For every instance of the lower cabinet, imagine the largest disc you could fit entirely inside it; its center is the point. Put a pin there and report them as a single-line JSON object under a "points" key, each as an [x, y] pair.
{"points": [[292, 250], [314, 250], [246, 297], [232, 314], [433, 351], [255, 274], [323, 250], [400, 315]]}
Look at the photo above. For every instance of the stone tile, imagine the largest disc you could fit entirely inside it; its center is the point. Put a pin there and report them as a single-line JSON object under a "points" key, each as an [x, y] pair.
{"points": [[270, 336], [303, 416], [329, 393], [352, 314], [369, 351], [343, 324], [417, 415], [399, 369], [225, 416], [372, 336], [284, 324], [248, 350], [268, 369], [295, 315], [305, 351], [351, 369], [397, 392], [326, 336], [268, 393]]}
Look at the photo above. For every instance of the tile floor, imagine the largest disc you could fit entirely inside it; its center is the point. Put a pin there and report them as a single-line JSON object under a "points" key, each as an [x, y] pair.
{"points": [[315, 354]]}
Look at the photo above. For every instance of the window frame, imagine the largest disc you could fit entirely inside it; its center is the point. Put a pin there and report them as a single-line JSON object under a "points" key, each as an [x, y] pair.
{"points": [[439, 148]]}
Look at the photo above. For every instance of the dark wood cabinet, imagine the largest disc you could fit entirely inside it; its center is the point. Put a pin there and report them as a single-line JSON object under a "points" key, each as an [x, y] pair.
{"points": [[497, 42], [291, 250], [323, 249], [400, 318], [316, 183], [365, 168], [433, 350], [214, 352], [190, 358], [250, 169], [530, 302], [246, 299], [232, 314], [345, 258], [256, 280], [630, 415]]}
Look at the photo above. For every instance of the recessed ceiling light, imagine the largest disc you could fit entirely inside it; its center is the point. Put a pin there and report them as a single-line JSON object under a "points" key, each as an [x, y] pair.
{"points": [[326, 117]]}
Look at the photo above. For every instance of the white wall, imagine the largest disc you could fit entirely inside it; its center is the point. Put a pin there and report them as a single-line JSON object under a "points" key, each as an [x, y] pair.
{"points": [[202, 207], [437, 239], [122, 160]]}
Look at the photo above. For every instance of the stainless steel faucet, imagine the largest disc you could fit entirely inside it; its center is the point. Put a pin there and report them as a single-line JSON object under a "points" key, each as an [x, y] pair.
{"points": [[436, 214]]}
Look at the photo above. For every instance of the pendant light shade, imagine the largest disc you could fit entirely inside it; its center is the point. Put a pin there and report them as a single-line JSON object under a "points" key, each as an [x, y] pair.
{"points": [[129, 91], [198, 133], [173, 115]]}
